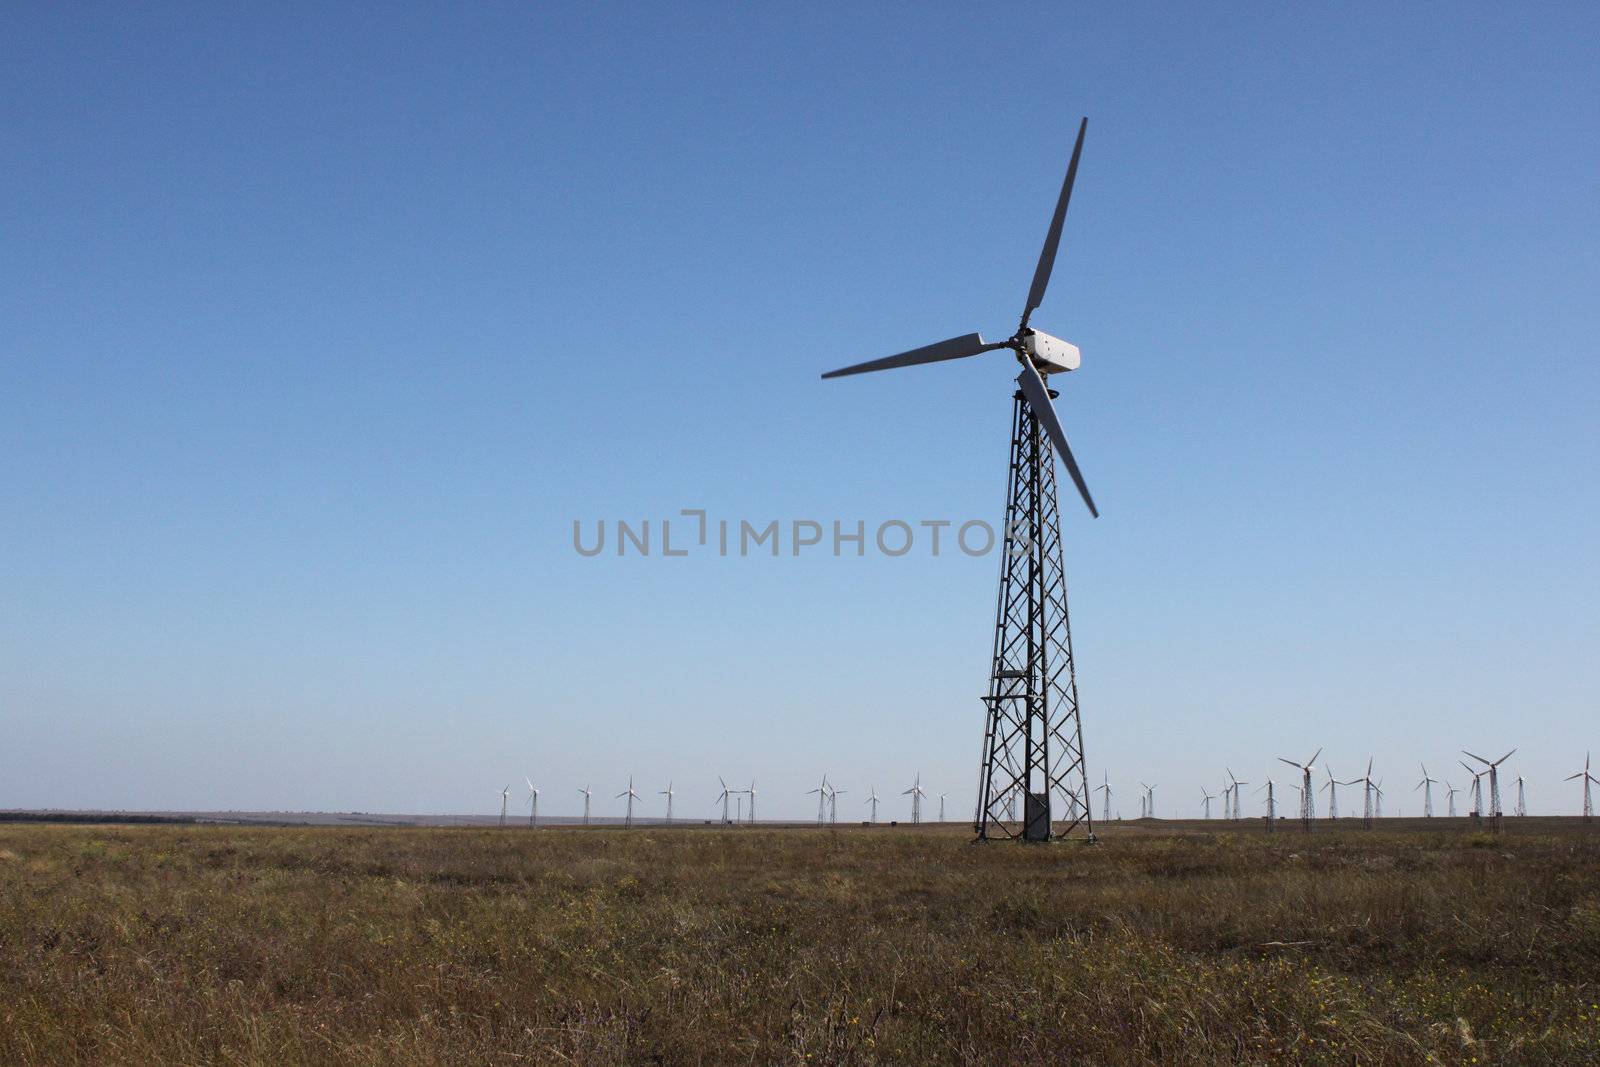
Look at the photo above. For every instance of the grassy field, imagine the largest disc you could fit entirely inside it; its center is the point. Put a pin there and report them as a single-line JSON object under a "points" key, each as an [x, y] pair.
{"points": [[196, 944]]}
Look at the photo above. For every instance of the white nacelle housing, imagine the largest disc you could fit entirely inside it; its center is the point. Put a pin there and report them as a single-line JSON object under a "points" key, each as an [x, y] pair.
{"points": [[1051, 354]]}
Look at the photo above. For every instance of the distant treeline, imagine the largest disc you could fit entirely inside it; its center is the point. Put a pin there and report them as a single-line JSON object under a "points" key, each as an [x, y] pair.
{"points": [[97, 817]]}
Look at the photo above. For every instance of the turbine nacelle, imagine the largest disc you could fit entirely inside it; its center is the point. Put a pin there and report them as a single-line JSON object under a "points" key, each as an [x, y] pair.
{"points": [[1050, 355]]}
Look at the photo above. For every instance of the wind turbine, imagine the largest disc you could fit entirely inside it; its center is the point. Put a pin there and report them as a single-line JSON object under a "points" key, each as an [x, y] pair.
{"points": [[752, 792], [505, 799], [822, 799], [1367, 795], [833, 804], [1105, 787], [1207, 801], [941, 806], [1426, 785], [1522, 797], [587, 793], [1477, 789], [632, 796], [667, 792], [1494, 781], [1308, 796], [1588, 802], [1235, 787], [1450, 795], [723, 798], [1377, 803], [1150, 799], [1272, 805], [872, 799], [533, 803], [916, 794], [1332, 786], [1032, 644]]}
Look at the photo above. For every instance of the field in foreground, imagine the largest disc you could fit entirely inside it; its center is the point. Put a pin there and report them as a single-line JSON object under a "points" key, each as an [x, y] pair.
{"points": [[196, 944]]}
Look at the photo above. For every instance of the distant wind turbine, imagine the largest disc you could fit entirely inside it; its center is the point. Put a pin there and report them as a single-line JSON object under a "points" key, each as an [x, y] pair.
{"points": [[1236, 783], [1494, 781], [1272, 804], [1332, 786], [1105, 787], [1588, 802], [667, 792], [1426, 785], [587, 793], [916, 794], [1369, 797], [1477, 789], [1308, 796], [822, 800], [533, 803], [872, 800], [632, 796], [505, 800]]}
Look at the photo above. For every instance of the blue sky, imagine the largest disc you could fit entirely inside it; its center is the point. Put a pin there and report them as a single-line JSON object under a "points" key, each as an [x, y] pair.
{"points": [[319, 328]]}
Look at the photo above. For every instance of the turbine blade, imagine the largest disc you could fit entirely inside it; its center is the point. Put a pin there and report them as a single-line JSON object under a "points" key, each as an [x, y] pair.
{"points": [[1502, 759], [1480, 759], [1570, 777], [955, 348], [1033, 388], [1052, 238], [1290, 762], [1313, 759]]}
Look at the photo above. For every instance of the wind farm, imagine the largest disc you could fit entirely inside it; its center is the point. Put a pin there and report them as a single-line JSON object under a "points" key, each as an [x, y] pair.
{"points": [[707, 414], [641, 897]]}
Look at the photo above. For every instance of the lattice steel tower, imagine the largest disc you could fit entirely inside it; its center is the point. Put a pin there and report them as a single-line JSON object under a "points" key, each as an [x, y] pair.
{"points": [[1033, 735], [1032, 741]]}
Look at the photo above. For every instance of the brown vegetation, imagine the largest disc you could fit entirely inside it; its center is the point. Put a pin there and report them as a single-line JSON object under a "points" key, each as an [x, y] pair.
{"points": [[141, 945]]}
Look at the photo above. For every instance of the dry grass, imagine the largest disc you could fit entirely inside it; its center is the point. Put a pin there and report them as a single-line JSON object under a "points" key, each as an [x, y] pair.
{"points": [[140, 945]]}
